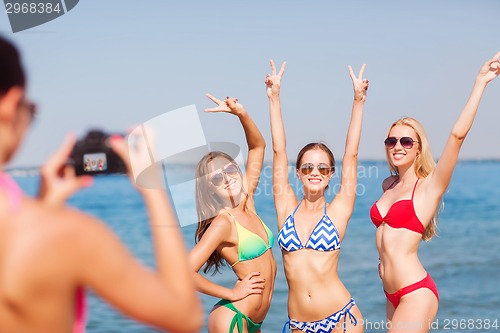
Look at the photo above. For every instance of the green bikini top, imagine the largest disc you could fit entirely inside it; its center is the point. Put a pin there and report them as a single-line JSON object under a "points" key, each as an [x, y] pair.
{"points": [[251, 245]]}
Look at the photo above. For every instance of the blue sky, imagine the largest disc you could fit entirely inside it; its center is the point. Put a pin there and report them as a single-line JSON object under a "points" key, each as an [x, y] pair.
{"points": [[112, 64]]}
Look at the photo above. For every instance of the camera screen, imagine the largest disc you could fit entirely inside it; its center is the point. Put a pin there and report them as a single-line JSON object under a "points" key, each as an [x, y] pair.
{"points": [[95, 162]]}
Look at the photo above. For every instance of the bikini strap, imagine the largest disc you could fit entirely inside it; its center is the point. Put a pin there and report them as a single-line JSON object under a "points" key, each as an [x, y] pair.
{"points": [[253, 211], [234, 218], [13, 191], [237, 227], [237, 321], [284, 326], [324, 210], [81, 311], [266, 228], [348, 314], [238, 223], [414, 188], [296, 208]]}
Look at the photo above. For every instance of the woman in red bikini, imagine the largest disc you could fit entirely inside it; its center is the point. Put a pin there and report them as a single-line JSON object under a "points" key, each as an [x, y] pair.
{"points": [[407, 211], [48, 252]]}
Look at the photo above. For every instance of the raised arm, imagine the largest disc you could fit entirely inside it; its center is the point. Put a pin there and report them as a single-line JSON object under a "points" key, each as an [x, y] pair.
{"points": [[216, 235], [284, 197], [440, 177], [255, 140], [347, 193], [164, 298]]}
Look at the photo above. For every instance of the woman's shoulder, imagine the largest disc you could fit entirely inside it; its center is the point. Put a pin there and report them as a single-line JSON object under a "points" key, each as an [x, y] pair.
{"points": [[220, 228], [61, 220], [222, 222], [31, 206], [57, 228]]}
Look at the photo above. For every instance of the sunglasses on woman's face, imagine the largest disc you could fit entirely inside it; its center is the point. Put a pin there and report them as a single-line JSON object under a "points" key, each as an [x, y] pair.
{"points": [[406, 142], [323, 169], [230, 170]]}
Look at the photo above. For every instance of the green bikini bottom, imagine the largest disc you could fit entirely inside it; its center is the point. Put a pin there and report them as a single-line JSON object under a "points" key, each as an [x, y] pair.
{"points": [[238, 318]]}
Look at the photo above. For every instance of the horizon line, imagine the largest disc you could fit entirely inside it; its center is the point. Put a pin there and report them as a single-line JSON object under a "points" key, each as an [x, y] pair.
{"points": [[368, 160]]}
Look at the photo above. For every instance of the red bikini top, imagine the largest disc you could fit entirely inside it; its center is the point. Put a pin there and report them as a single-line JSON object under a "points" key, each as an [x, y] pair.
{"points": [[400, 215]]}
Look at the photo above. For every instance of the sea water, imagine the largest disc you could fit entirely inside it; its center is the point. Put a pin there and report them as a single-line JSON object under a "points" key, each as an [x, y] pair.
{"points": [[463, 260]]}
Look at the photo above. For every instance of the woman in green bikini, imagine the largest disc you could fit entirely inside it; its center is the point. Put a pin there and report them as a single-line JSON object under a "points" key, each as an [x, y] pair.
{"points": [[229, 231]]}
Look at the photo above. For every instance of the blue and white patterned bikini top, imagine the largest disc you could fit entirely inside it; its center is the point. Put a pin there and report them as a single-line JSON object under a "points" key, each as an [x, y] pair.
{"points": [[324, 236]]}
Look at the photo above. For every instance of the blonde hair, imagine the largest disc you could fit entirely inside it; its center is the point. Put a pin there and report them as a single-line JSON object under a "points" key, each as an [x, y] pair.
{"points": [[423, 165], [208, 205]]}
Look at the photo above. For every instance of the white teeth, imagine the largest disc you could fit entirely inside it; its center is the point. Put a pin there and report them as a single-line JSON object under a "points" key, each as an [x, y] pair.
{"points": [[398, 156]]}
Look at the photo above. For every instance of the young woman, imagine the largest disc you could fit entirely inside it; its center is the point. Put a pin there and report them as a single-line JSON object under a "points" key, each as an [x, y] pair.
{"points": [[230, 231], [49, 252], [311, 230], [407, 211]]}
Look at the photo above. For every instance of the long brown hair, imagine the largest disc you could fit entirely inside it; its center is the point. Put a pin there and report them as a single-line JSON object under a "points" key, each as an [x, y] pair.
{"points": [[423, 166], [208, 205]]}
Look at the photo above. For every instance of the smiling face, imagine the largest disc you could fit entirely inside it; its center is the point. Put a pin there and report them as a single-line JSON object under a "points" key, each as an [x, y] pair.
{"points": [[219, 185], [402, 155], [225, 180], [315, 170]]}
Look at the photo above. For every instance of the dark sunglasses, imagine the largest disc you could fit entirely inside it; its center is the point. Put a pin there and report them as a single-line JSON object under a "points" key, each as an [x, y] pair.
{"points": [[230, 170], [406, 142], [323, 169]]}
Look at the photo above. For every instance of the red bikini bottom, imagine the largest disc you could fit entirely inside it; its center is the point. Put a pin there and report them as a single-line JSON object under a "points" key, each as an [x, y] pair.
{"points": [[426, 282]]}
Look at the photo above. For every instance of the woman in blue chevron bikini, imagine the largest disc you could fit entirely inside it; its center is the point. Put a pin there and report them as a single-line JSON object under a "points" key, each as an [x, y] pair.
{"points": [[311, 230]]}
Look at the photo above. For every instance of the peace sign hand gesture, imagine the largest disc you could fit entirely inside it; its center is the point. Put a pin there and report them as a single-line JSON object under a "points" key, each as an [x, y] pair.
{"points": [[273, 81], [229, 105], [490, 70], [360, 85]]}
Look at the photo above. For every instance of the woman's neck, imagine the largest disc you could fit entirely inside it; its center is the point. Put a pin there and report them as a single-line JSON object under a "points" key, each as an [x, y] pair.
{"points": [[314, 202], [407, 174], [233, 203]]}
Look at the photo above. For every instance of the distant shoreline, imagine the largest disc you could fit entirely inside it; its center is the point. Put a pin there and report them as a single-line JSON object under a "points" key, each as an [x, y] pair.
{"points": [[33, 171]]}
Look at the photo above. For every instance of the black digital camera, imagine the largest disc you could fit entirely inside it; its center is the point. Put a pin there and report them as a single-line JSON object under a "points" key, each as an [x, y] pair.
{"points": [[93, 155]]}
